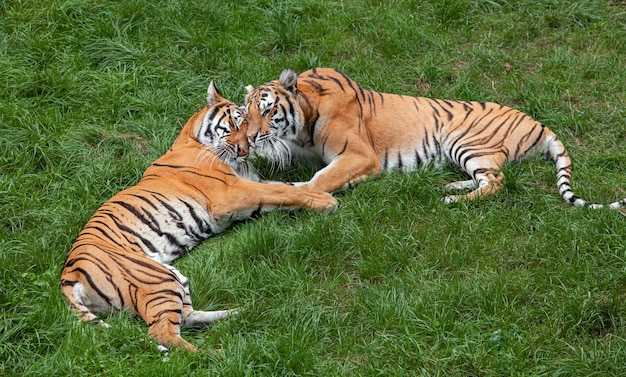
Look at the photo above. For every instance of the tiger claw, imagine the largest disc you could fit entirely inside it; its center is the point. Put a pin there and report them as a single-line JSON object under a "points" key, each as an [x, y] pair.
{"points": [[450, 199]]}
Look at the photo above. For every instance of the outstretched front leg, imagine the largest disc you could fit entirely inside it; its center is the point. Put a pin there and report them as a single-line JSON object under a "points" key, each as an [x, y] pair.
{"points": [[344, 172], [247, 196], [354, 161]]}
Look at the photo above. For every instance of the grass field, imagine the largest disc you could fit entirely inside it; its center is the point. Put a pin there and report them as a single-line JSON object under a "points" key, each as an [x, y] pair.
{"points": [[395, 282]]}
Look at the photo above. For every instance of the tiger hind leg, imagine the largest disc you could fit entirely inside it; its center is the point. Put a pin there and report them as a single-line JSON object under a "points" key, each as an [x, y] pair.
{"points": [[166, 313], [196, 318], [489, 183], [73, 292], [461, 185], [162, 307], [166, 332], [163, 314], [200, 319]]}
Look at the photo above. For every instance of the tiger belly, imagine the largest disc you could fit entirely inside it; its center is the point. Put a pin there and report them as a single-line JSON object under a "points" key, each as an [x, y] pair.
{"points": [[164, 229], [420, 155]]}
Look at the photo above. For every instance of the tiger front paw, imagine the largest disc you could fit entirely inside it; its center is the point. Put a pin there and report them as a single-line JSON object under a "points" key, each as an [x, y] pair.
{"points": [[331, 206], [322, 202]]}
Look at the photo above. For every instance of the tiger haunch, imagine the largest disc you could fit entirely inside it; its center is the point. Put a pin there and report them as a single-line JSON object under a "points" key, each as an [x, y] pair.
{"points": [[121, 259], [358, 133]]}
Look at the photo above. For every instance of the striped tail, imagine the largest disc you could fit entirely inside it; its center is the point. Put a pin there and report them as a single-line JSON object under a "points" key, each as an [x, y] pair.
{"points": [[556, 150]]}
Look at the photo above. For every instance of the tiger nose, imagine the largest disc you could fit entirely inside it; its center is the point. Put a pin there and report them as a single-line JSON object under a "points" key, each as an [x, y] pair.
{"points": [[241, 151], [253, 137]]}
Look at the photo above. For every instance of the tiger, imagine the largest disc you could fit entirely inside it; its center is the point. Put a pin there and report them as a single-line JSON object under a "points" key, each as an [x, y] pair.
{"points": [[122, 259], [355, 133]]}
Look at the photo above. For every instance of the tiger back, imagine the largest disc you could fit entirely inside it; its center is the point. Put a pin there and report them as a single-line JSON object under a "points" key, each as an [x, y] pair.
{"points": [[358, 133], [122, 258]]}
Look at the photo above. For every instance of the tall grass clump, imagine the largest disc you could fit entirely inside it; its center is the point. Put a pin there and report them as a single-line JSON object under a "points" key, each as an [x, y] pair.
{"points": [[395, 282]]}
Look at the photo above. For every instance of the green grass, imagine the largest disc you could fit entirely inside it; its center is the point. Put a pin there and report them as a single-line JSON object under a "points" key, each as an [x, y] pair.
{"points": [[395, 282]]}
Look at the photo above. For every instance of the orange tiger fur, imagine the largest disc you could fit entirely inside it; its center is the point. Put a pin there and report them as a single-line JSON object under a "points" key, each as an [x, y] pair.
{"points": [[122, 257], [358, 133]]}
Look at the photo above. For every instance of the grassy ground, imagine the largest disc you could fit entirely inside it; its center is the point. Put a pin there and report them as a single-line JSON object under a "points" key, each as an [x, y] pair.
{"points": [[394, 283]]}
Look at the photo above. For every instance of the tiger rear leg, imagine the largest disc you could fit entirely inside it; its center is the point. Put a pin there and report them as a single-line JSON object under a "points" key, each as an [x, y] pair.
{"points": [[164, 318], [166, 332], [201, 319], [162, 308], [461, 185], [196, 318], [488, 184], [73, 292]]}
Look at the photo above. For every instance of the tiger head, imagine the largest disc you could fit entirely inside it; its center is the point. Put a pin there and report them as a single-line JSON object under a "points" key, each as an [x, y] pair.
{"points": [[221, 128], [274, 116]]}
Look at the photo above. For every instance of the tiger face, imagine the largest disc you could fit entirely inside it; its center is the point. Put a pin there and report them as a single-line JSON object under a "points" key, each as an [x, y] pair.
{"points": [[275, 119], [222, 126]]}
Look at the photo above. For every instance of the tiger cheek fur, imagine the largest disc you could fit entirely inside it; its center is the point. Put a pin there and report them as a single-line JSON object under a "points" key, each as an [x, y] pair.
{"points": [[122, 257], [358, 133]]}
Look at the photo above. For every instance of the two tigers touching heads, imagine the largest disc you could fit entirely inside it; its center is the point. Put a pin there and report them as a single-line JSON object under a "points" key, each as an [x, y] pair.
{"points": [[122, 259]]}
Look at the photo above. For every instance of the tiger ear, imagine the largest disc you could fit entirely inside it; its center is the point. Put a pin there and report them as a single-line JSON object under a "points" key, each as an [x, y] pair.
{"points": [[213, 95], [288, 79], [249, 88]]}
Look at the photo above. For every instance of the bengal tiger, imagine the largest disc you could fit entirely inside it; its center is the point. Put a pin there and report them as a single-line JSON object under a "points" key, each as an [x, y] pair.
{"points": [[359, 133], [122, 258]]}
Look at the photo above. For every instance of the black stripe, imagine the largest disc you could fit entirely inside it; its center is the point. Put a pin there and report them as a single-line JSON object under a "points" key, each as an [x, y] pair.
{"points": [[191, 170], [449, 103], [144, 199], [202, 225], [573, 199], [311, 125], [445, 110], [361, 91], [146, 242], [479, 171], [371, 102], [168, 166], [213, 112], [160, 276], [152, 222], [316, 85], [163, 296], [344, 148], [565, 184], [338, 83], [524, 138], [472, 156], [426, 145], [92, 284], [102, 231], [434, 108], [158, 318], [468, 128], [350, 84], [418, 160], [120, 295]]}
